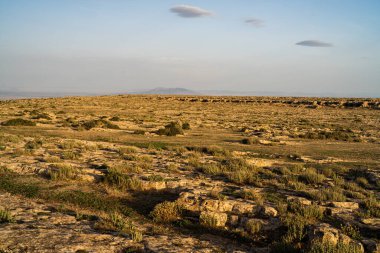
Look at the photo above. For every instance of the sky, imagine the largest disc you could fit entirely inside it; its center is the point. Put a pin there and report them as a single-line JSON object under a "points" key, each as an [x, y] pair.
{"points": [[105, 46]]}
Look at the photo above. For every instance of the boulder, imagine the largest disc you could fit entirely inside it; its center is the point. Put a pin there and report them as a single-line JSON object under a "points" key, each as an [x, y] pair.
{"points": [[371, 246], [327, 234], [347, 205], [210, 205], [267, 212], [243, 208], [302, 201], [233, 220], [371, 221]]}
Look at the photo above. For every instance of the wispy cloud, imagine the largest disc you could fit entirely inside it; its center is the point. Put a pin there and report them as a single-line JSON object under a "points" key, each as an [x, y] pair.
{"points": [[188, 11], [255, 22], [314, 43]]}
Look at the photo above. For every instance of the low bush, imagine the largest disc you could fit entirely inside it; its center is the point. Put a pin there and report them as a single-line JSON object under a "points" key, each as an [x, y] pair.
{"points": [[9, 183], [34, 144], [115, 118], [296, 228], [42, 116], [351, 231], [310, 176], [243, 177], [172, 129], [371, 206], [337, 134], [186, 126], [166, 212], [211, 169], [70, 155], [127, 150], [329, 194], [253, 226], [311, 213], [362, 181], [251, 195], [250, 141], [325, 247], [62, 172], [18, 122], [87, 125], [116, 178], [5, 216], [208, 220], [118, 221]]}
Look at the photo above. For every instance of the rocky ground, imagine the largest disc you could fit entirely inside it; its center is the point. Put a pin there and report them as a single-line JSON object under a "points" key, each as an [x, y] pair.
{"points": [[189, 174]]}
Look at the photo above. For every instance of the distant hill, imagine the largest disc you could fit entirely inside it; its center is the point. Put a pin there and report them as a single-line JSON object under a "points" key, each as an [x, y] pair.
{"points": [[168, 91]]}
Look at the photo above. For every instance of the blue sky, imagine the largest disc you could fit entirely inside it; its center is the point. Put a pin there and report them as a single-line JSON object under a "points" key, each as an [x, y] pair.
{"points": [[122, 45]]}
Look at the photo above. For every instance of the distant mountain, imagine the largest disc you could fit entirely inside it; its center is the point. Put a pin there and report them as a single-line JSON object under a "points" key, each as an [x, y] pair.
{"points": [[168, 91]]}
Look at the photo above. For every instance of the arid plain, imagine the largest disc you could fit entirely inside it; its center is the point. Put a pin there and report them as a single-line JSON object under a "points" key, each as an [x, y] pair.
{"points": [[139, 173]]}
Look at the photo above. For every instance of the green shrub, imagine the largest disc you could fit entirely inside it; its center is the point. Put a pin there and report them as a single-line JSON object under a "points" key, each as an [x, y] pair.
{"points": [[62, 172], [325, 247], [208, 220], [172, 129], [251, 194], [69, 144], [109, 125], [298, 186], [70, 155], [115, 118], [186, 126], [116, 178], [337, 134], [296, 228], [372, 206], [87, 125], [235, 164], [136, 235], [18, 122], [211, 169], [310, 176], [253, 226], [250, 141], [155, 178], [117, 221], [42, 116], [243, 177], [127, 150], [127, 168], [5, 216], [312, 212], [9, 183], [33, 144], [9, 138], [4, 169], [362, 181], [211, 150], [351, 231], [329, 194], [166, 212]]}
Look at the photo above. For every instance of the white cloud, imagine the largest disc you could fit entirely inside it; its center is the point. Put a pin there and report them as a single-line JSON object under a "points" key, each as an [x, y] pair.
{"points": [[314, 43], [255, 22], [188, 11]]}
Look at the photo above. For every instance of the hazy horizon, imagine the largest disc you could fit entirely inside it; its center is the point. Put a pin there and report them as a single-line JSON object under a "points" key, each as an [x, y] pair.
{"points": [[114, 46]]}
